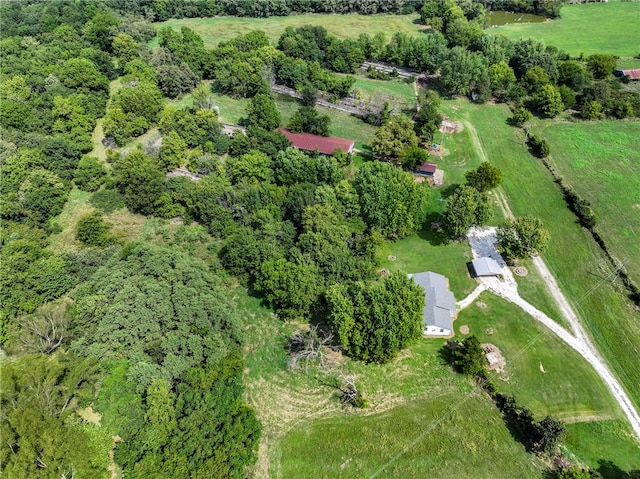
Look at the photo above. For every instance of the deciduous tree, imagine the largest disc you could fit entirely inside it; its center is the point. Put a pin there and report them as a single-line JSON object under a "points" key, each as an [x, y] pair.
{"points": [[523, 237], [484, 178], [394, 137], [374, 321], [466, 207]]}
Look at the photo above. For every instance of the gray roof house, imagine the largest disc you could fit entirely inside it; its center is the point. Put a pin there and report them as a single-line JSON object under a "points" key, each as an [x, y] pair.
{"points": [[440, 305], [486, 267]]}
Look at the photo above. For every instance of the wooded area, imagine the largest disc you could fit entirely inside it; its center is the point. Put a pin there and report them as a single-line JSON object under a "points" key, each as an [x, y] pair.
{"points": [[146, 331]]}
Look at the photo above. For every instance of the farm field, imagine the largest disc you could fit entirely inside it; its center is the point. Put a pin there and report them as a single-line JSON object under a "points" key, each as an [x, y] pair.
{"points": [[602, 162], [591, 28], [216, 29], [582, 271], [439, 435]]}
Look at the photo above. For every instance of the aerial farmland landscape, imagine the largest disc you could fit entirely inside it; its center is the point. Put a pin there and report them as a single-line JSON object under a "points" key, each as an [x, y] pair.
{"points": [[320, 239]]}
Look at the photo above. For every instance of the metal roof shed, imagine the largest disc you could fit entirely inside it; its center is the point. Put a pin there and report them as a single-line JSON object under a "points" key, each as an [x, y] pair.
{"points": [[486, 267]]}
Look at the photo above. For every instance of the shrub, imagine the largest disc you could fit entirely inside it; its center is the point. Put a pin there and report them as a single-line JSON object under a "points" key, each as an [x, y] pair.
{"points": [[539, 146], [92, 230]]}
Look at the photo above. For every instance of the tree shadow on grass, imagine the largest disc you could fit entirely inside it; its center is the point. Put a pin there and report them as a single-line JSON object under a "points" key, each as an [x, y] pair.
{"points": [[609, 470], [427, 233]]}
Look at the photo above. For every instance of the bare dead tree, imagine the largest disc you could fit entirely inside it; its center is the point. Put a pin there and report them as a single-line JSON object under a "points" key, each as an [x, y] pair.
{"points": [[350, 392], [349, 389], [44, 331], [309, 347]]}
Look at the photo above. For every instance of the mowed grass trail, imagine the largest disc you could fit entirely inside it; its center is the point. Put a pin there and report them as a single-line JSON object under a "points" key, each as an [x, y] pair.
{"points": [[611, 28], [601, 160], [215, 29], [583, 273], [444, 437]]}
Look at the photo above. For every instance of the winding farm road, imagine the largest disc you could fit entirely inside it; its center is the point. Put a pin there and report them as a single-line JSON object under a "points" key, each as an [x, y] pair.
{"points": [[483, 244]]}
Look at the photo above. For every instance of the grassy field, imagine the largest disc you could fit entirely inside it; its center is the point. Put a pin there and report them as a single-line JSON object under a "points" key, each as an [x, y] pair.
{"points": [[444, 436], [591, 28], [538, 363], [342, 124], [582, 271], [216, 29], [399, 94], [422, 416], [601, 160], [588, 438]]}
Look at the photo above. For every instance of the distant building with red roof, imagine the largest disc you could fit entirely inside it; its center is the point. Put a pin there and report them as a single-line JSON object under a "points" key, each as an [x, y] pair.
{"points": [[326, 145], [630, 74], [427, 169]]}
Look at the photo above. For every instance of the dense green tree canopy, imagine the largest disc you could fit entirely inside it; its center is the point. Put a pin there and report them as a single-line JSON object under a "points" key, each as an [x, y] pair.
{"points": [[523, 237], [308, 120], [466, 207], [141, 180], [390, 200], [263, 112], [374, 321], [395, 136], [41, 435], [161, 308], [200, 428], [485, 177]]}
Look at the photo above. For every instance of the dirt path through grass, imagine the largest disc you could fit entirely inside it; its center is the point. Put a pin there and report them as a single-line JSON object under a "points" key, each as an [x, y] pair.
{"points": [[482, 243], [579, 340]]}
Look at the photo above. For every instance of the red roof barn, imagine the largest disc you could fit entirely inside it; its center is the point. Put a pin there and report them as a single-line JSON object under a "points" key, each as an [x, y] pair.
{"points": [[630, 74], [326, 145], [427, 169]]}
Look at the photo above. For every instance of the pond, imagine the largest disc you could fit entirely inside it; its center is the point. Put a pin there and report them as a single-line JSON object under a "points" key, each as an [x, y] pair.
{"points": [[503, 18]]}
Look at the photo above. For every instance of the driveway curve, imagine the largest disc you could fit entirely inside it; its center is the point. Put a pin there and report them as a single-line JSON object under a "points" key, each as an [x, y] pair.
{"points": [[483, 241]]}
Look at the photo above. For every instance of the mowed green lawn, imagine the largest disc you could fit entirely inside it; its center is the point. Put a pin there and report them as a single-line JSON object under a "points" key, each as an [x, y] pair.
{"points": [[215, 29], [611, 28], [443, 437], [537, 363], [583, 273], [601, 160], [451, 427]]}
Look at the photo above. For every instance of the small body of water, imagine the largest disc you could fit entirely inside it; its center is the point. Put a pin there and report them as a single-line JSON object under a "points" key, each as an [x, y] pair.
{"points": [[503, 18]]}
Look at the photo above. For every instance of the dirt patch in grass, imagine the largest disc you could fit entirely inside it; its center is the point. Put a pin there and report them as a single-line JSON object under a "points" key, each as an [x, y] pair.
{"points": [[126, 225], [464, 329], [520, 271], [90, 416]]}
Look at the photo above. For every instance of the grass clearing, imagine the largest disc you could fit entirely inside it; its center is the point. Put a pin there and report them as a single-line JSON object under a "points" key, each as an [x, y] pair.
{"points": [[580, 268], [440, 435], [585, 440], [533, 289], [399, 94], [591, 28], [77, 205], [216, 29], [425, 251], [526, 345], [601, 160]]}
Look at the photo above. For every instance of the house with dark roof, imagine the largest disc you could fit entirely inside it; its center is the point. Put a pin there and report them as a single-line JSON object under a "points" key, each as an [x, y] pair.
{"points": [[440, 305], [327, 145], [486, 266]]}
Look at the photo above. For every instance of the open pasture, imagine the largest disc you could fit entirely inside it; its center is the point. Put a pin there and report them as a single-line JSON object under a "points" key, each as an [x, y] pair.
{"points": [[216, 29], [601, 160], [610, 27], [582, 271]]}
